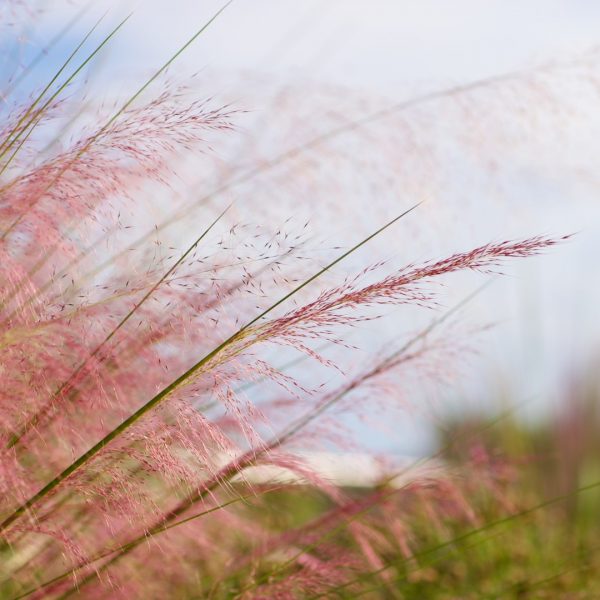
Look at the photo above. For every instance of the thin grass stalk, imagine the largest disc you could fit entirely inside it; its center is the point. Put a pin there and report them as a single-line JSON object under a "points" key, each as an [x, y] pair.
{"points": [[47, 255], [35, 116], [134, 543], [252, 456], [31, 423], [536, 584], [166, 524], [119, 112], [392, 476], [132, 419], [472, 532], [84, 149]]}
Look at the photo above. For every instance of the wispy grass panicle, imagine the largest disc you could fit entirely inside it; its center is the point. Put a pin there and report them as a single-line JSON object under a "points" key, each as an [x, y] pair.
{"points": [[163, 399]]}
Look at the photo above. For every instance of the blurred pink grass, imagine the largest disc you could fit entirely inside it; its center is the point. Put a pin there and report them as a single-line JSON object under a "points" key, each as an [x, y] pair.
{"points": [[110, 402]]}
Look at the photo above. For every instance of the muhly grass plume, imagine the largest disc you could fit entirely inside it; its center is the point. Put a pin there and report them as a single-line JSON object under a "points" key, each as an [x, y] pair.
{"points": [[138, 393]]}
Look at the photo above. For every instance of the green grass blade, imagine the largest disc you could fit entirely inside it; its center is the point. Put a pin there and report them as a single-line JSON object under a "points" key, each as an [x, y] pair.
{"points": [[471, 533], [133, 418], [134, 543], [32, 422], [35, 115]]}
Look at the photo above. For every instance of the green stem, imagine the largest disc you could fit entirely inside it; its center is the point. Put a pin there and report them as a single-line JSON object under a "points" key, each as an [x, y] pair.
{"points": [[33, 421], [137, 415]]}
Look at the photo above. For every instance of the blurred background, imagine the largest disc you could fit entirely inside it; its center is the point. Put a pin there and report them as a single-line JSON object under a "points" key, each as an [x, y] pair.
{"points": [[485, 111]]}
